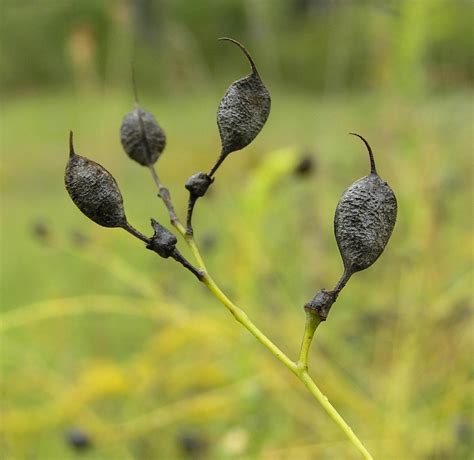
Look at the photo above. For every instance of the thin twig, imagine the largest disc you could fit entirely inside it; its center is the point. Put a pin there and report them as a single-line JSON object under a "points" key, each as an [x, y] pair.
{"points": [[189, 225], [219, 161], [176, 255], [133, 231], [165, 196]]}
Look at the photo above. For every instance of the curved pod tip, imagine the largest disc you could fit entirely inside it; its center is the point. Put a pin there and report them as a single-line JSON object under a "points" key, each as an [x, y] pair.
{"points": [[93, 190], [71, 144], [244, 50], [243, 111], [373, 169]]}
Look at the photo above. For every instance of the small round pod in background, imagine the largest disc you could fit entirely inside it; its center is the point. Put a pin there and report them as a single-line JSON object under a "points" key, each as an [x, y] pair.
{"points": [[364, 219], [78, 439], [142, 137], [94, 190]]}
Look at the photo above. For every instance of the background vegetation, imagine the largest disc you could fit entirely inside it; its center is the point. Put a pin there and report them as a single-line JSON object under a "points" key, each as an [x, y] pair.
{"points": [[102, 340]]}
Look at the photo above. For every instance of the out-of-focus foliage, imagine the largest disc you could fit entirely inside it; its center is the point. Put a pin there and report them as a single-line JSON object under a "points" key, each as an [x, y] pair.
{"points": [[317, 45], [107, 349], [98, 333]]}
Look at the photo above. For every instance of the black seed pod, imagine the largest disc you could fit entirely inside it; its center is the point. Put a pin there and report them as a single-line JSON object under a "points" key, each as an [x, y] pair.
{"points": [[364, 219], [244, 109], [363, 222], [142, 138], [94, 190]]}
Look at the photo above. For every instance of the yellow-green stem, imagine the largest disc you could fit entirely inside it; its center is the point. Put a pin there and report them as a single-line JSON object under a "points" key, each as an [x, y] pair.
{"points": [[312, 322], [180, 227], [300, 369], [195, 250], [242, 318], [332, 412]]}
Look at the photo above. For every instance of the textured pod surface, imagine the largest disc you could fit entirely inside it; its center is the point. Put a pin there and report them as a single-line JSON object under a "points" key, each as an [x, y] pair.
{"points": [[163, 242], [142, 138], [198, 184], [243, 111], [364, 220], [94, 191]]}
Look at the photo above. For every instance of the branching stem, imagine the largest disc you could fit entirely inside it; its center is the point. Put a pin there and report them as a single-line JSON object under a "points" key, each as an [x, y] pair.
{"points": [[243, 319], [165, 196], [299, 368], [193, 197], [176, 255]]}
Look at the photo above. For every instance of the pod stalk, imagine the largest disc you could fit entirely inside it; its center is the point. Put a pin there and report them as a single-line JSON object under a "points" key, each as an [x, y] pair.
{"points": [[219, 161]]}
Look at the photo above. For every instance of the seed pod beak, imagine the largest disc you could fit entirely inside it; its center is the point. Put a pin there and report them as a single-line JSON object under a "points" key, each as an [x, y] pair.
{"points": [[93, 190], [373, 170], [71, 144], [243, 111], [244, 50]]}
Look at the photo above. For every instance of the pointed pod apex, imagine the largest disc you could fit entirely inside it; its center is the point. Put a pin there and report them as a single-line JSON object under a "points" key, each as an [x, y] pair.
{"points": [[244, 50], [373, 170], [364, 219], [244, 109], [71, 144], [94, 190]]}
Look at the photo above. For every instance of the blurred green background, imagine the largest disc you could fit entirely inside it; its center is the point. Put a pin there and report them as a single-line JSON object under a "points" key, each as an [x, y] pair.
{"points": [[109, 352]]}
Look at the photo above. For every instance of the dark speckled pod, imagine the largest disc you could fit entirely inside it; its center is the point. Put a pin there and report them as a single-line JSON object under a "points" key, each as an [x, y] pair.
{"points": [[94, 190], [142, 138], [364, 219], [244, 109]]}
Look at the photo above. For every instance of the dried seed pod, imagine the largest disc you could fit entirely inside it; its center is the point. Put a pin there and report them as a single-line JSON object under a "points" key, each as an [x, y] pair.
{"points": [[94, 190], [142, 138], [364, 219], [363, 222], [244, 109]]}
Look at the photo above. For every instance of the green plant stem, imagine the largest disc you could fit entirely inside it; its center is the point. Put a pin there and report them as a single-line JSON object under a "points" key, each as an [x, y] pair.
{"points": [[312, 322], [195, 251], [300, 368], [243, 319], [333, 413]]}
